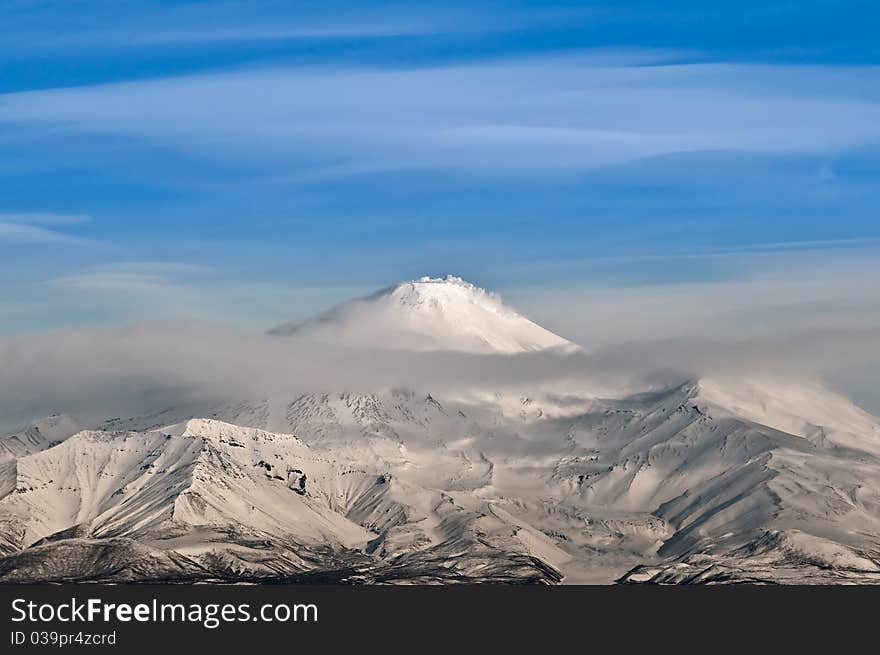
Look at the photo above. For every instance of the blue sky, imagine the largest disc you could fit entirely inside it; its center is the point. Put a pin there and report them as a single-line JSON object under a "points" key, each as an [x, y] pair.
{"points": [[252, 162]]}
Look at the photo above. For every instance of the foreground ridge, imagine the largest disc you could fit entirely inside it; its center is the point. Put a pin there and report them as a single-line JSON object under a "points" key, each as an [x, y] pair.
{"points": [[706, 481]]}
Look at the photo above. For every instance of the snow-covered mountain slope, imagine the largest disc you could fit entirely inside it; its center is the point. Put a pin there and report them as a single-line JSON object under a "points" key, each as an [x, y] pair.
{"points": [[728, 487], [678, 484], [807, 410], [38, 436], [429, 314], [210, 500], [717, 479], [655, 477]]}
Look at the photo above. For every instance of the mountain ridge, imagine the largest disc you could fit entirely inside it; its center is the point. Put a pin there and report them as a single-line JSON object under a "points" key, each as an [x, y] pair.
{"points": [[668, 476], [710, 479]]}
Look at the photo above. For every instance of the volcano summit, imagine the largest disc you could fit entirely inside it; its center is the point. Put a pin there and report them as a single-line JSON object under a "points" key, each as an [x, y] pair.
{"points": [[429, 314]]}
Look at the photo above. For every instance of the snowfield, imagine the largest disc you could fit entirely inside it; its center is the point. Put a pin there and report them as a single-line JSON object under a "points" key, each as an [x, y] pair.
{"points": [[713, 480], [429, 314]]}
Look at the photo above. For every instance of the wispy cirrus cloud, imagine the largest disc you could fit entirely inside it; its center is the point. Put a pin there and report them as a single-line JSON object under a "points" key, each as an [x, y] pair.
{"points": [[533, 115], [43, 218], [113, 281], [169, 290], [253, 21], [131, 277], [201, 34], [41, 227], [159, 268]]}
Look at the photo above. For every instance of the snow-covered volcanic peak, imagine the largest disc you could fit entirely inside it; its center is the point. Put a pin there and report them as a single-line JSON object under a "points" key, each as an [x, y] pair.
{"points": [[430, 314]]}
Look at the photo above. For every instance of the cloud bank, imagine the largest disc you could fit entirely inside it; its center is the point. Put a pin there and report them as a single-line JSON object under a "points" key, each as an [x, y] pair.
{"points": [[103, 373]]}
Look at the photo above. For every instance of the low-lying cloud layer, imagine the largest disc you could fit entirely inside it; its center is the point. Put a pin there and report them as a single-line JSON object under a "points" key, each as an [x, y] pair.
{"points": [[104, 373]]}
